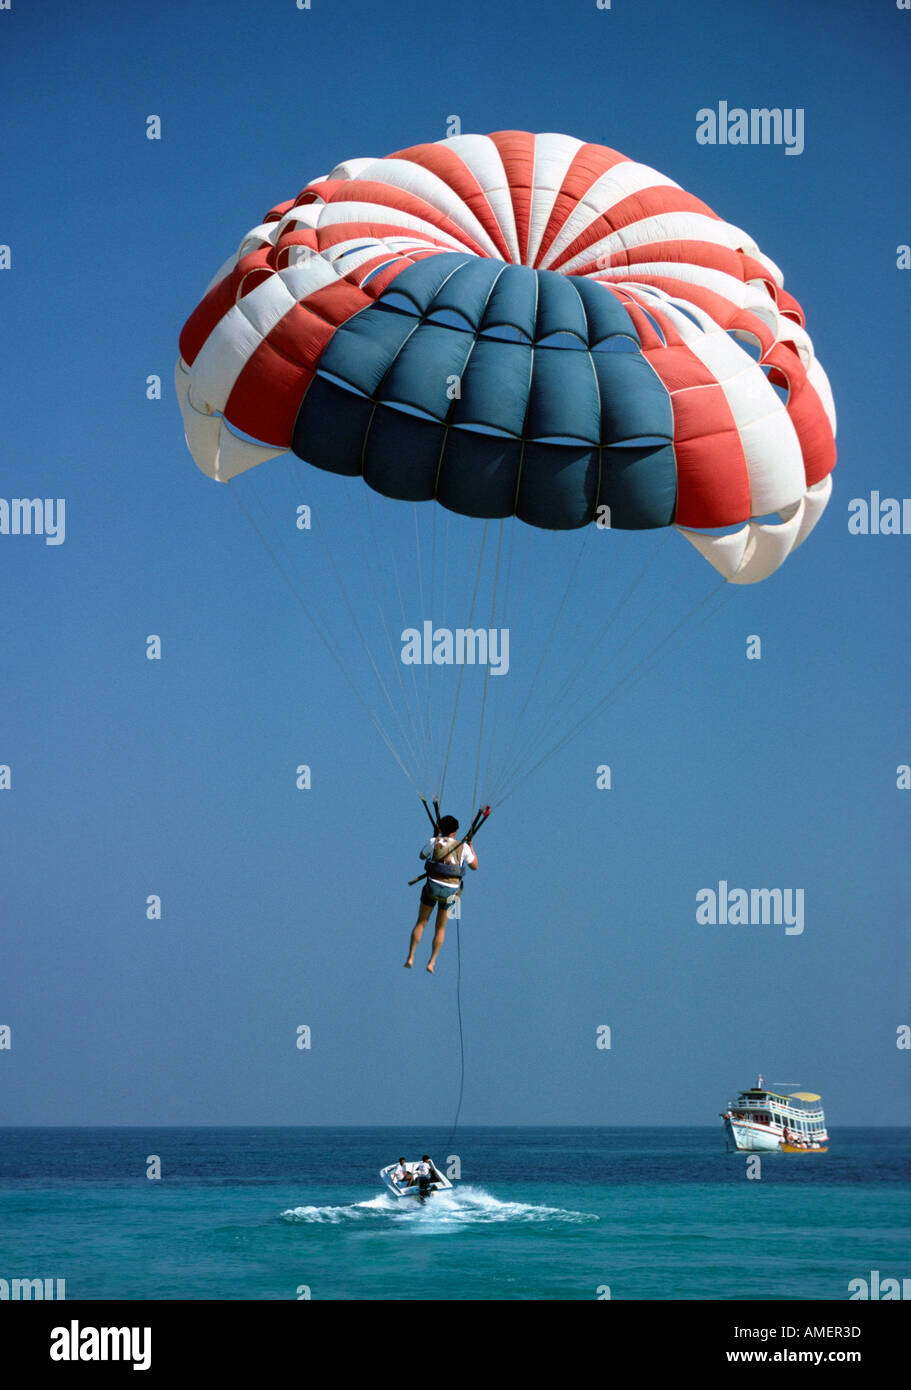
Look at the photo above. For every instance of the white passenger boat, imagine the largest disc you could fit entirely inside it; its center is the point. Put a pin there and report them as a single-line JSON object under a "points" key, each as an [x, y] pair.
{"points": [[761, 1120], [411, 1187]]}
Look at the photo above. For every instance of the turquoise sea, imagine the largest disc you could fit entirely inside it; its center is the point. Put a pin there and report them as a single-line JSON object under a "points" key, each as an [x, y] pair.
{"points": [[279, 1213]]}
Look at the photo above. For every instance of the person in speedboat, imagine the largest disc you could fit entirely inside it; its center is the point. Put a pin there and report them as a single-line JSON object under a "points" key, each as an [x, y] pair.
{"points": [[425, 1175], [400, 1174]]}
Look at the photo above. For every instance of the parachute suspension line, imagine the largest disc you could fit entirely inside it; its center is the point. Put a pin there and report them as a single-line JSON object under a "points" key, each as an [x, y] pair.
{"points": [[506, 609], [428, 712], [419, 720], [425, 615], [322, 636], [414, 683], [519, 721], [370, 567], [450, 707], [582, 621], [726, 590], [296, 469], [493, 610], [636, 673], [438, 750], [533, 732], [327, 551], [659, 602], [619, 606], [418, 730], [456, 619], [455, 708], [584, 695], [369, 558]]}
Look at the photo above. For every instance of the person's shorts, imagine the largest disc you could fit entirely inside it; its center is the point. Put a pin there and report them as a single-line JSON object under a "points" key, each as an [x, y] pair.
{"points": [[432, 894]]}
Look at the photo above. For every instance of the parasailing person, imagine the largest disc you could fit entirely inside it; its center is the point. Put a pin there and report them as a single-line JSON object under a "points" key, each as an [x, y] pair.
{"points": [[445, 862]]}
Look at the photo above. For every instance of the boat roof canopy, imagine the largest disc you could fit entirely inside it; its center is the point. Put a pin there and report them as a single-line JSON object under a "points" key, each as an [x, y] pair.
{"points": [[758, 1091]]}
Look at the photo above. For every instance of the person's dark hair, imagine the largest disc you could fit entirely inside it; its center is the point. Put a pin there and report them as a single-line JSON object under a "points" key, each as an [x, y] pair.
{"points": [[401, 1160], [425, 1158], [449, 825]]}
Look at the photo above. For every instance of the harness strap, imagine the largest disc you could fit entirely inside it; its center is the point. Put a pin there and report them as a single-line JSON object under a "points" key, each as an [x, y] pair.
{"points": [[437, 868], [476, 824]]}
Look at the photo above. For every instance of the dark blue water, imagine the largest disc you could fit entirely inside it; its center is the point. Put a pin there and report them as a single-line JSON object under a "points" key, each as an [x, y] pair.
{"points": [[538, 1213]]}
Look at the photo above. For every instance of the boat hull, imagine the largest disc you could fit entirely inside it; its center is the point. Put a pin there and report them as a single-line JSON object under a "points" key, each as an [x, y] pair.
{"points": [[750, 1138]]}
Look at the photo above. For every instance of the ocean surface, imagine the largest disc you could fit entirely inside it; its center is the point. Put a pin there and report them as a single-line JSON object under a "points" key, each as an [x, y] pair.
{"points": [[278, 1213]]}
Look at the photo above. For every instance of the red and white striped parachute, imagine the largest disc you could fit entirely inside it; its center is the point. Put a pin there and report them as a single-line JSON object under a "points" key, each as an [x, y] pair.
{"points": [[618, 344]]}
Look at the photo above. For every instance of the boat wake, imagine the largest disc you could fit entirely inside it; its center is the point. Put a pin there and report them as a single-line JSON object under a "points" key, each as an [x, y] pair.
{"points": [[465, 1206]]}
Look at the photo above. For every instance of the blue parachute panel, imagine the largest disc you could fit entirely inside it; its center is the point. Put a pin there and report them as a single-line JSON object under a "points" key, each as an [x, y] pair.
{"points": [[485, 386]]}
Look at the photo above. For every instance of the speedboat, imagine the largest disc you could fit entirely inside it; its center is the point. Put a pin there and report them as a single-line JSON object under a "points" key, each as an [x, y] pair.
{"points": [[411, 1189]]}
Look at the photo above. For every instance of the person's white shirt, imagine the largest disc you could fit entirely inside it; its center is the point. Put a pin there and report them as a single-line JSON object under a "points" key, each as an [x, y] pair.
{"points": [[423, 1170], [467, 855], [399, 1173]]}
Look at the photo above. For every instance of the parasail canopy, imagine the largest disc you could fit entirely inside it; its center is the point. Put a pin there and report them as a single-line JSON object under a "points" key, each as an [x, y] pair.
{"points": [[520, 325]]}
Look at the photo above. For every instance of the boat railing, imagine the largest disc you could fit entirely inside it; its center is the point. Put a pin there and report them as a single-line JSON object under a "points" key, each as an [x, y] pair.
{"points": [[798, 1109], [777, 1111]]}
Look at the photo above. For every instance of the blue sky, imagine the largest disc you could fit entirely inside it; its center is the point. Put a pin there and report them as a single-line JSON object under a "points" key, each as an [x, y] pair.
{"points": [[282, 907]]}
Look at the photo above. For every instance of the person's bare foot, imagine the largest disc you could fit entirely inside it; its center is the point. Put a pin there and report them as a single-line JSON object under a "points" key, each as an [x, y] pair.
{"points": [[409, 964], [430, 968]]}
